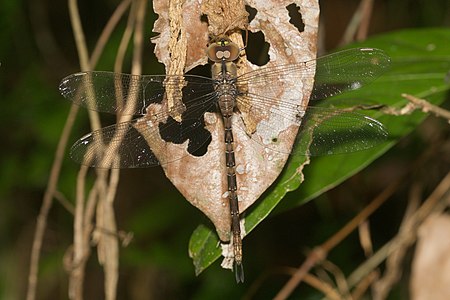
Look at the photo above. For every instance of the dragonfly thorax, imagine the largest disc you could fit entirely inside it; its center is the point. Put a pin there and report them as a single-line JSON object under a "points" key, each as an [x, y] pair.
{"points": [[224, 74]]}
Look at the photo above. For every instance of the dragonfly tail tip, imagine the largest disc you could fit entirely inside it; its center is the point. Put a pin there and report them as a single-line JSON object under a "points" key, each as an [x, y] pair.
{"points": [[239, 272]]}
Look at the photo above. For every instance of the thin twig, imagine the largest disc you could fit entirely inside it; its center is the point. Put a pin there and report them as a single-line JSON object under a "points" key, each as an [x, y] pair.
{"points": [[47, 204], [322, 286], [111, 222], [364, 284], [313, 281], [82, 235], [363, 215], [394, 261], [427, 107], [434, 203], [89, 211], [83, 56], [367, 9], [339, 278], [56, 167], [320, 252], [108, 246], [359, 23], [365, 238], [138, 42], [80, 252], [80, 247], [125, 39], [64, 202], [366, 244], [78, 33], [106, 33]]}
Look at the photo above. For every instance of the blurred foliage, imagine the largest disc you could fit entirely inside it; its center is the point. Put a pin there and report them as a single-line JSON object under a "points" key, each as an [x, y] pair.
{"points": [[37, 50]]}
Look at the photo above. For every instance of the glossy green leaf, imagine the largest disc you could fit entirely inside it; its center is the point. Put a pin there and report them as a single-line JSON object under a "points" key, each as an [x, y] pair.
{"points": [[420, 66], [203, 248]]}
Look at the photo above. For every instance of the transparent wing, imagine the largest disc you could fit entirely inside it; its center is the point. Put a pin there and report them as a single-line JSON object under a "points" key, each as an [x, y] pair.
{"points": [[134, 144], [132, 94], [333, 74], [323, 131]]}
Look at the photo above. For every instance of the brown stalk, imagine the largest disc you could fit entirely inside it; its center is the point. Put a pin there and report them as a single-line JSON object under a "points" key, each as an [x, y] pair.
{"points": [[56, 167], [367, 9], [427, 107], [313, 281], [339, 276], [108, 247], [125, 39], [365, 238], [359, 24], [47, 203], [64, 202], [109, 28], [359, 291], [436, 202], [394, 261], [80, 245], [82, 237], [320, 252], [322, 286]]}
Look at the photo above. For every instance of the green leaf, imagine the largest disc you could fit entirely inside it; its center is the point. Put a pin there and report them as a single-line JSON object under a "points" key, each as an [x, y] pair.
{"points": [[420, 63], [203, 248]]}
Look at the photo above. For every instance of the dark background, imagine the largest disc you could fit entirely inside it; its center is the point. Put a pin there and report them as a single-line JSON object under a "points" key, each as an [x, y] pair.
{"points": [[37, 50]]}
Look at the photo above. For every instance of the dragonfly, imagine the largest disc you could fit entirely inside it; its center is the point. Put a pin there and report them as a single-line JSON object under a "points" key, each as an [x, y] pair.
{"points": [[172, 108]]}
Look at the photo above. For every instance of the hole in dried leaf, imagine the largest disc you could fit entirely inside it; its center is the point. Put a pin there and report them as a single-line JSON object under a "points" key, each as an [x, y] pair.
{"points": [[199, 147], [295, 17], [251, 12], [257, 49], [192, 130], [192, 125], [204, 19], [201, 70]]}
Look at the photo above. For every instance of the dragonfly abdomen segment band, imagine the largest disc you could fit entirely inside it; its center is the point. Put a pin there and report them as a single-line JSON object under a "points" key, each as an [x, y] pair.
{"points": [[232, 190], [232, 185], [229, 147], [235, 227]]}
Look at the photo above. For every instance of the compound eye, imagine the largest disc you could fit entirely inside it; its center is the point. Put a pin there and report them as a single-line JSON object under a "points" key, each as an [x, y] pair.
{"points": [[223, 50], [223, 54]]}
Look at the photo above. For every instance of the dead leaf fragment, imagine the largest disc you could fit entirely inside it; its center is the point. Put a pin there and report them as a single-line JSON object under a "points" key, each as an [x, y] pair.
{"points": [[202, 180], [225, 15], [431, 265]]}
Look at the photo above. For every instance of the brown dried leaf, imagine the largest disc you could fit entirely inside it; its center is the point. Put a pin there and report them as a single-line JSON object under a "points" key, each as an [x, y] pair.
{"points": [[225, 15], [192, 30], [202, 180], [431, 266]]}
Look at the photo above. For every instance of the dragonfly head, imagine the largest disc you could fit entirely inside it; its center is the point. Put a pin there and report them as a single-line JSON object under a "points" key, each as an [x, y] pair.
{"points": [[223, 49]]}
